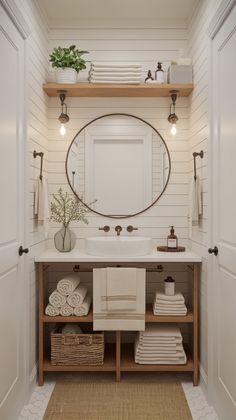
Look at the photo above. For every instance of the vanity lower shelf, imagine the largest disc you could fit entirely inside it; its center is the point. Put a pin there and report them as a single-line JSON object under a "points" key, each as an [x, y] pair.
{"points": [[126, 363], [149, 317], [119, 357], [109, 364]]}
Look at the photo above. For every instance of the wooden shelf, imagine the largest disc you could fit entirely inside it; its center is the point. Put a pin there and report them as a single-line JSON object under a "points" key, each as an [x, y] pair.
{"points": [[128, 364], [109, 364], [116, 90], [170, 318], [118, 357], [59, 318], [148, 318]]}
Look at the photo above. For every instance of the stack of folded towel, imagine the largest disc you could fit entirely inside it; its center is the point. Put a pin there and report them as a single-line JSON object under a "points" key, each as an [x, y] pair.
{"points": [[160, 344], [69, 298], [169, 305], [128, 73], [119, 299]]}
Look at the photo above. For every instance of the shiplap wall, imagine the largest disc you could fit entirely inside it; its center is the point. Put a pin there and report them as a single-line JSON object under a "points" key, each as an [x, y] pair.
{"points": [[122, 44], [198, 49], [146, 46], [37, 132]]}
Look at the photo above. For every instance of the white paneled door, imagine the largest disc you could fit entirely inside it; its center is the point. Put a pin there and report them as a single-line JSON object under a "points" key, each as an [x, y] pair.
{"points": [[223, 328], [12, 299]]}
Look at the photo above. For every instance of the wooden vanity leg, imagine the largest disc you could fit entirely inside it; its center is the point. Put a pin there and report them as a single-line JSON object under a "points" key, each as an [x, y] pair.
{"points": [[195, 324], [118, 344], [41, 333]]}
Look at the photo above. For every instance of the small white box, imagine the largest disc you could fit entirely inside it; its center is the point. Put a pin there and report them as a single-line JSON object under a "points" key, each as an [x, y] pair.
{"points": [[180, 74]]}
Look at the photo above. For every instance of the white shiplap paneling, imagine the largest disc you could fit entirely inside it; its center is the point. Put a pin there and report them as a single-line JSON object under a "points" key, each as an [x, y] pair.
{"points": [[198, 49], [37, 103]]}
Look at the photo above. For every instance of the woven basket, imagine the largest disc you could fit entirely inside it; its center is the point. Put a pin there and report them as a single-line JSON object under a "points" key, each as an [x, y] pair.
{"points": [[77, 349]]}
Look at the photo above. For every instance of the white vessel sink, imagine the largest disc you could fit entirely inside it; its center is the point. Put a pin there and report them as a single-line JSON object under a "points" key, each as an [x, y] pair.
{"points": [[118, 246]]}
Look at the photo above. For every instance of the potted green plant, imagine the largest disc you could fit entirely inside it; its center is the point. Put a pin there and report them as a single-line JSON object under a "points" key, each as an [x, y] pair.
{"points": [[66, 209], [67, 62]]}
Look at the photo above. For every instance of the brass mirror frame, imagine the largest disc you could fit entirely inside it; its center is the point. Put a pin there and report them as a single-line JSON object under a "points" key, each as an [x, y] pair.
{"points": [[113, 115]]}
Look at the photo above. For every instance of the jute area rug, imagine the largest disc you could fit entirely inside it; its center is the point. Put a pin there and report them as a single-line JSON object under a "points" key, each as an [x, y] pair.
{"points": [[117, 401]]}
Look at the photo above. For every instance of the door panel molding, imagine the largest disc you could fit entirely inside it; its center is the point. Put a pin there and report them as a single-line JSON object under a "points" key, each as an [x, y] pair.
{"points": [[219, 17]]}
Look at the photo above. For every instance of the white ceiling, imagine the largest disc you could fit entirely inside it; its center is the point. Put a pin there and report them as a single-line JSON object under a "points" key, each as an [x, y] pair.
{"points": [[90, 10]]}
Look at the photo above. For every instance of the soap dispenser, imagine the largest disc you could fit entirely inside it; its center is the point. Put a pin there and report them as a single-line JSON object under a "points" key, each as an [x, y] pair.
{"points": [[172, 240], [159, 73], [149, 77]]}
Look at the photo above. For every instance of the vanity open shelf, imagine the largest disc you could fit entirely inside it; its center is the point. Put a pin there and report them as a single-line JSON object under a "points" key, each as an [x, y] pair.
{"points": [[119, 357], [148, 318], [116, 90]]}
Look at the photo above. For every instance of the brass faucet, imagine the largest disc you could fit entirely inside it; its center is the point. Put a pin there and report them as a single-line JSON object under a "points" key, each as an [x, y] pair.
{"points": [[118, 229]]}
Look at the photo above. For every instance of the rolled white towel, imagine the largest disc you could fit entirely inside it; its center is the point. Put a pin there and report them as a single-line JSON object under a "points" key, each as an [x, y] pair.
{"points": [[52, 311], [68, 284], [66, 310], [71, 328], [56, 299], [77, 297], [83, 309]]}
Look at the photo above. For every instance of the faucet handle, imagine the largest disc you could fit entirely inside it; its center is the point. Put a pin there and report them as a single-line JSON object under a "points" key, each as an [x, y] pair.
{"points": [[118, 229], [130, 228], [106, 228]]}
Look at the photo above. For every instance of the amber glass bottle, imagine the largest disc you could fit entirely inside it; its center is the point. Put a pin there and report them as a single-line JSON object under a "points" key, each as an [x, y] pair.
{"points": [[172, 240]]}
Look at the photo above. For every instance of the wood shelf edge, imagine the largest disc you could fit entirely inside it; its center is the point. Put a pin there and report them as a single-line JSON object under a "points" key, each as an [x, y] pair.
{"points": [[117, 90], [149, 317], [59, 318]]}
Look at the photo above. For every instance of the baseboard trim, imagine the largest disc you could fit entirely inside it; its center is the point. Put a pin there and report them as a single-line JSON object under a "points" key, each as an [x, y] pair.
{"points": [[203, 381], [33, 373]]}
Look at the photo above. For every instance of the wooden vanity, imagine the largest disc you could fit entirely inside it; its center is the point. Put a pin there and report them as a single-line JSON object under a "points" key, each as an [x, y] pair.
{"points": [[119, 357]]}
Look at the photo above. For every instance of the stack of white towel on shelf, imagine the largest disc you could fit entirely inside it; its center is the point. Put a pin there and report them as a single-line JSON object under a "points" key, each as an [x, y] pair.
{"points": [[119, 299], [121, 73], [160, 344], [69, 298], [169, 305]]}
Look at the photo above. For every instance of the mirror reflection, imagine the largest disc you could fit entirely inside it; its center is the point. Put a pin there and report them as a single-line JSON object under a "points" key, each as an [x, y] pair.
{"points": [[119, 163]]}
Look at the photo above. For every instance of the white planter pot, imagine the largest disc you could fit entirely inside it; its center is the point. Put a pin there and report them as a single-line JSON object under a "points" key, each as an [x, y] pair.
{"points": [[66, 75]]}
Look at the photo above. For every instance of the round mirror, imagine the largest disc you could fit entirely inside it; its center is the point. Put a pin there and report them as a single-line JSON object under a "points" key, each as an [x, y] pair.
{"points": [[118, 165]]}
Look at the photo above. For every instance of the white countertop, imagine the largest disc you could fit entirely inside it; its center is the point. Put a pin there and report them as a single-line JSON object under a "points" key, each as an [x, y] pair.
{"points": [[77, 256]]}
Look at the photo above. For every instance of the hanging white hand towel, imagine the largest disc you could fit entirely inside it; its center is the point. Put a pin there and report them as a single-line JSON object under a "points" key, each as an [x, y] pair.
{"points": [[41, 205], [117, 320], [121, 289], [195, 203]]}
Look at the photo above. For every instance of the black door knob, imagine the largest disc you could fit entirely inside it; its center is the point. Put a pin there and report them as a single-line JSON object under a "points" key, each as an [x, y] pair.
{"points": [[22, 251], [213, 250]]}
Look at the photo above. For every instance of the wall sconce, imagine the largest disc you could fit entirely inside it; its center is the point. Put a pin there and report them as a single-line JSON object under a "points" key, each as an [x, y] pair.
{"points": [[63, 118], [173, 117]]}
